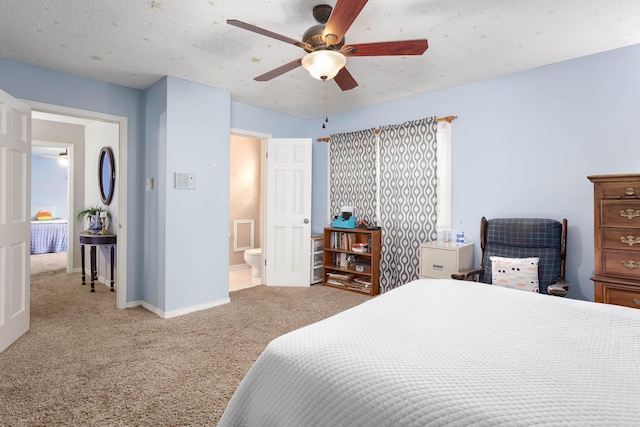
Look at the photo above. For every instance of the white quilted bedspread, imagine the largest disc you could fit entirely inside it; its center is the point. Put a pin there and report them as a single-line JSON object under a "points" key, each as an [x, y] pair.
{"points": [[445, 352]]}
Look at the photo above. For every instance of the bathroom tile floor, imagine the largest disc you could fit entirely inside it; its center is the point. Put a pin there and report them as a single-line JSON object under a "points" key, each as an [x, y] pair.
{"points": [[241, 279]]}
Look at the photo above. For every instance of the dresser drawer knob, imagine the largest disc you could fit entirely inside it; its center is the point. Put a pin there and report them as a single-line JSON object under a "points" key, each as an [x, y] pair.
{"points": [[630, 213], [629, 191], [631, 265], [630, 240], [637, 301]]}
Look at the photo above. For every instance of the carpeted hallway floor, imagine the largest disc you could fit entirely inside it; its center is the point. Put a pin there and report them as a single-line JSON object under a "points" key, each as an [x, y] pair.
{"points": [[84, 362], [42, 263]]}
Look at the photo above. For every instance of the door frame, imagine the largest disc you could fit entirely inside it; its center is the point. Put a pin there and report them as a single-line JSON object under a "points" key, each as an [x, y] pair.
{"points": [[70, 191], [121, 261], [263, 190]]}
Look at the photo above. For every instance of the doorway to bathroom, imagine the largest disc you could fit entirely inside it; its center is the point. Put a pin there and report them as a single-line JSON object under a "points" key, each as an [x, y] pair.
{"points": [[246, 210]]}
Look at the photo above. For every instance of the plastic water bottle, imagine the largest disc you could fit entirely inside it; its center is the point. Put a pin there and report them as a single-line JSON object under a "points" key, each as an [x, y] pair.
{"points": [[460, 234]]}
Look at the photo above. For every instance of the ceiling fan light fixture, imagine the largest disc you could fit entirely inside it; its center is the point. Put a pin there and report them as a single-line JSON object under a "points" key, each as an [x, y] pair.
{"points": [[324, 64]]}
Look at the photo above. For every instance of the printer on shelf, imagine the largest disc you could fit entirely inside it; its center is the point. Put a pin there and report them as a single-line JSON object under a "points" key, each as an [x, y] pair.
{"points": [[346, 219]]}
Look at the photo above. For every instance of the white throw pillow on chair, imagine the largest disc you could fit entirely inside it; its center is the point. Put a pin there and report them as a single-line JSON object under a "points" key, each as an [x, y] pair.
{"points": [[515, 273]]}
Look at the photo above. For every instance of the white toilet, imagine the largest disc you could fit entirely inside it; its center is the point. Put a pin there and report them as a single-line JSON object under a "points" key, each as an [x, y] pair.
{"points": [[253, 257]]}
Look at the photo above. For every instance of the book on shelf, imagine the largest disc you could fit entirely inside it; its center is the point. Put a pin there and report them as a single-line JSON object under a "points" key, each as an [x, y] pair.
{"points": [[362, 281], [343, 261], [360, 247], [351, 239], [339, 275], [359, 288], [342, 240], [336, 282], [349, 284]]}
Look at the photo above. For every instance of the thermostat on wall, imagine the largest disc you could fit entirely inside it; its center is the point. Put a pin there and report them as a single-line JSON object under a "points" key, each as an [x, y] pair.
{"points": [[185, 180]]}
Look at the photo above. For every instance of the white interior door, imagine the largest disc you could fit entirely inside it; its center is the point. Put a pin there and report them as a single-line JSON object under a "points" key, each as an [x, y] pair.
{"points": [[288, 229], [15, 223]]}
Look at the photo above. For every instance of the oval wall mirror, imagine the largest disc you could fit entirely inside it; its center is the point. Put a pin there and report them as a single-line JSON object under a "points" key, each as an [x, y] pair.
{"points": [[106, 174]]}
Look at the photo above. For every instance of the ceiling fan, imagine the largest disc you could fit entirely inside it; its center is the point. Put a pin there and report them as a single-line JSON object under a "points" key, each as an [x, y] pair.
{"points": [[326, 48]]}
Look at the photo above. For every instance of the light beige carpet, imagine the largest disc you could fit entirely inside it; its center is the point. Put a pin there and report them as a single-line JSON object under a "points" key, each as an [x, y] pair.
{"points": [[42, 263], [84, 362]]}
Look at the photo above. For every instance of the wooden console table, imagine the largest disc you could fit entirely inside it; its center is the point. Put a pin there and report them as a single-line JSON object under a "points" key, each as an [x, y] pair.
{"points": [[96, 240]]}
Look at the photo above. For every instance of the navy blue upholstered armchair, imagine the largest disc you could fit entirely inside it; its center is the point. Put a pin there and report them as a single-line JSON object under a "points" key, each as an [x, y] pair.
{"points": [[543, 238]]}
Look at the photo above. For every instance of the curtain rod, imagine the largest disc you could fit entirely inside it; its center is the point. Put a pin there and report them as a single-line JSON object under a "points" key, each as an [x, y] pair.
{"points": [[377, 131]]}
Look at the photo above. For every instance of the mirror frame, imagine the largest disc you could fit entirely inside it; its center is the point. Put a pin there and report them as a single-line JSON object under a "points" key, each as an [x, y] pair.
{"points": [[106, 154]]}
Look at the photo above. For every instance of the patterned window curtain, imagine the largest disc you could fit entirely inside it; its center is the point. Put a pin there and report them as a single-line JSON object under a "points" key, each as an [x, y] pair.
{"points": [[352, 178], [407, 197]]}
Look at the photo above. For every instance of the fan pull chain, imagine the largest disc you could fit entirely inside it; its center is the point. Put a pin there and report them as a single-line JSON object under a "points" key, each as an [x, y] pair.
{"points": [[325, 102]]}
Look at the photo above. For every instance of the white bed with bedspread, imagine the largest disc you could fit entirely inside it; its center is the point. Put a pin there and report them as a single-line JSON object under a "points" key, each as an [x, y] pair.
{"points": [[446, 352], [49, 236]]}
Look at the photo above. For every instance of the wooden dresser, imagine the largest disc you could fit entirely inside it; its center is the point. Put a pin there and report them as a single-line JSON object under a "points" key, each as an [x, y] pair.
{"points": [[617, 239]]}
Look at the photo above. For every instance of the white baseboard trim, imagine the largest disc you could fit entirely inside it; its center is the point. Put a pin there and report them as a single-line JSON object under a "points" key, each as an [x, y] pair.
{"points": [[239, 267], [180, 312], [134, 304], [151, 308], [195, 308]]}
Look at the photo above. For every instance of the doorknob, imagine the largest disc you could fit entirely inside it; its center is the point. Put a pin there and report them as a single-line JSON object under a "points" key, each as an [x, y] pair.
{"points": [[306, 221]]}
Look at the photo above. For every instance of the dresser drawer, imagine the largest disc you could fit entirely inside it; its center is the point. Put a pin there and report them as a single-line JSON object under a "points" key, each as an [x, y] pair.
{"points": [[628, 239], [619, 295], [621, 213], [620, 263], [616, 191], [439, 264]]}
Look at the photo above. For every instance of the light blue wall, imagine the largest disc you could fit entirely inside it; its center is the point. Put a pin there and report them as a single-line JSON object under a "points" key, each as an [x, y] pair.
{"points": [[524, 144], [247, 117], [196, 244], [49, 185], [155, 165], [39, 84]]}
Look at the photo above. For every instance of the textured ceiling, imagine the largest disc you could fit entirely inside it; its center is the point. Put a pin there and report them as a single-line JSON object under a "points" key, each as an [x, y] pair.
{"points": [[136, 42]]}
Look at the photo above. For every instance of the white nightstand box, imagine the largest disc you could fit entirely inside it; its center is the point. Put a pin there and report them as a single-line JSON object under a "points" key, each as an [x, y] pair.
{"points": [[438, 260]]}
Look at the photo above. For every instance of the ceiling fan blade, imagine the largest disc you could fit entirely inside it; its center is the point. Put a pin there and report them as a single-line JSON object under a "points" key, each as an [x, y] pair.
{"points": [[399, 48], [267, 33], [345, 80], [341, 18], [279, 71]]}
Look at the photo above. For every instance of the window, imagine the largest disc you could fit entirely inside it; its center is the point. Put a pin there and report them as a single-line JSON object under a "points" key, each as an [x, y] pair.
{"points": [[443, 176]]}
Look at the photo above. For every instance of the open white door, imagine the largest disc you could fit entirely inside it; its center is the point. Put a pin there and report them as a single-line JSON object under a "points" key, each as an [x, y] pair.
{"points": [[288, 229], [15, 233]]}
